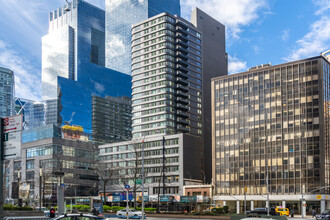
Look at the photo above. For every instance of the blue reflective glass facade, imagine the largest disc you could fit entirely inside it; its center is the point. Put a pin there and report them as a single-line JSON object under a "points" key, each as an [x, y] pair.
{"points": [[33, 112], [73, 58], [120, 16]]}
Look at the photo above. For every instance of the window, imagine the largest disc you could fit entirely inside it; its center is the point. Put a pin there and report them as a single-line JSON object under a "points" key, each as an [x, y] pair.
{"points": [[30, 164]]}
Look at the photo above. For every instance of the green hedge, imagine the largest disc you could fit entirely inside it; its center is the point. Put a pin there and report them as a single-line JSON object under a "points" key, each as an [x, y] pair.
{"points": [[147, 210], [80, 208], [12, 207]]}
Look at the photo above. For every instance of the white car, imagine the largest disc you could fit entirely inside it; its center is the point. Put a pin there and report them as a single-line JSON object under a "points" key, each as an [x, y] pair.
{"points": [[132, 213]]}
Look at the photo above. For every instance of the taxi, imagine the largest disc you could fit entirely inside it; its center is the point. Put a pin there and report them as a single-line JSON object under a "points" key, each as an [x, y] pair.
{"points": [[282, 211]]}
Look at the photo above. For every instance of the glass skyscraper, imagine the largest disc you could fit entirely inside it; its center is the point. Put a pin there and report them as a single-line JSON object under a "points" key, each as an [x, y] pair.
{"points": [[120, 16], [73, 58], [7, 82], [271, 135]]}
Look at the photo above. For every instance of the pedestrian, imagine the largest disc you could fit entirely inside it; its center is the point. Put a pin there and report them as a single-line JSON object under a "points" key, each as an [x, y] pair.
{"points": [[52, 212], [94, 211], [74, 210], [292, 213], [313, 213]]}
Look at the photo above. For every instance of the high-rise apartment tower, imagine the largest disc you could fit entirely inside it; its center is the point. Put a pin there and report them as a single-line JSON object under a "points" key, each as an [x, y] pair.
{"points": [[120, 16]]}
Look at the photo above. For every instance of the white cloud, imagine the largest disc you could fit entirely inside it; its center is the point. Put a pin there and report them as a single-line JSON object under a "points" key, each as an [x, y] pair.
{"points": [[285, 34], [323, 4], [27, 80], [116, 45], [236, 65], [314, 42], [317, 40], [232, 13], [256, 49]]}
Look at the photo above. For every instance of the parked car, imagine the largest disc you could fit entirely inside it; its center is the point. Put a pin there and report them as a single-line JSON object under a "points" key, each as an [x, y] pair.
{"points": [[258, 211], [282, 211], [132, 213], [263, 211], [79, 217], [324, 215]]}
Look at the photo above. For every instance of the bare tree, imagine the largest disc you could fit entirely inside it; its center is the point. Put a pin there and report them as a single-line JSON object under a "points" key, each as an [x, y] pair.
{"points": [[134, 171], [105, 175]]}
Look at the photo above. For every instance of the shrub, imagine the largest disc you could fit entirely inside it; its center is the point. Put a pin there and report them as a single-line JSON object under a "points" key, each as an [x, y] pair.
{"points": [[225, 209], [147, 210], [12, 207], [117, 208], [106, 208], [218, 210]]}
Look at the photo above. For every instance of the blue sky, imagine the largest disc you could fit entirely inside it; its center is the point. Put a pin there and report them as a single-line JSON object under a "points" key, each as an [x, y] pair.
{"points": [[257, 32]]}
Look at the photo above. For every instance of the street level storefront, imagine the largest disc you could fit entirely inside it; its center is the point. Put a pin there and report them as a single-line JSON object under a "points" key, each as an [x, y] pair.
{"points": [[319, 202]]}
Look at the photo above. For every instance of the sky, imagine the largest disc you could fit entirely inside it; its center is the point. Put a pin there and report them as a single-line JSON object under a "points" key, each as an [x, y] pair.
{"points": [[257, 32]]}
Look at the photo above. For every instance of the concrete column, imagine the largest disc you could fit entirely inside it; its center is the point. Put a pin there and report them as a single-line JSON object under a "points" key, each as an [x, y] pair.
{"points": [[283, 204], [252, 205], [224, 203], [322, 205], [237, 207], [267, 204], [304, 208]]}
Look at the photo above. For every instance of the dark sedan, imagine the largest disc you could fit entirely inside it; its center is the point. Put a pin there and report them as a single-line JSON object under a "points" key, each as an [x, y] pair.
{"points": [[324, 215]]}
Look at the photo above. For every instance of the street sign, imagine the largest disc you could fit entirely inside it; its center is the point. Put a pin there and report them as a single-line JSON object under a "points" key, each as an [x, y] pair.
{"points": [[13, 123], [127, 187], [12, 145], [138, 182]]}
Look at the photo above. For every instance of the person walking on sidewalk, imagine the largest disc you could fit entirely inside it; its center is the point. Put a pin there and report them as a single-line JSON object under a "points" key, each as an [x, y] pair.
{"points": [[292, 213], [313, 213]]}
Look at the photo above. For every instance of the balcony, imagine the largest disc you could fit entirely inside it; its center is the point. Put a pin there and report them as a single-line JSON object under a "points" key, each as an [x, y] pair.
{"points": [[182, 74], [182, 128], [182, 114], [181, 30], [181, 81], [181, 61], [182, 121], [181, 24], [181, 94], [181, 36], [181, 68], [181, 49], [182, 100], [182, 55], [181, 43], [182, 88], [182, 107]]}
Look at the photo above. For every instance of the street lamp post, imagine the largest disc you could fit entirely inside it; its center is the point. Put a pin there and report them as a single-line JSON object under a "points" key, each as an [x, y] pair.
{"points": [[18, 181], [143, 179]]}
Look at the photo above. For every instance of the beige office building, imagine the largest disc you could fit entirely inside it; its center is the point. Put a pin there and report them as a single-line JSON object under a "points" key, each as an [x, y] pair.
{"points": [[272, 123]]}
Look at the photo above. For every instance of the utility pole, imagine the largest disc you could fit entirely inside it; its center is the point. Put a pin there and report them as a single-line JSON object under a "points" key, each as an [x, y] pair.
{"points": [[1, 169]]}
